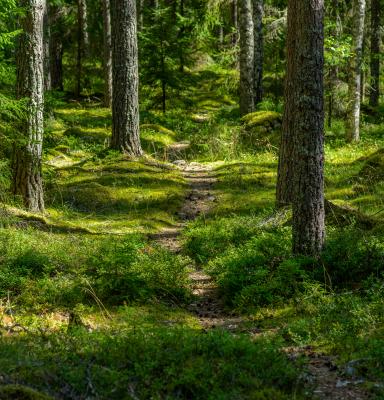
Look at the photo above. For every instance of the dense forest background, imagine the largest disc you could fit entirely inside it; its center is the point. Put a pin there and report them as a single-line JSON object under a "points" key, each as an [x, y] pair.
{"points": [[192, 199]]}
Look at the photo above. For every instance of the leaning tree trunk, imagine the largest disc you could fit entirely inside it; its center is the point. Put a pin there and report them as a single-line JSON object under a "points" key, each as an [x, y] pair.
{"points": [[375, 52], [258, 11], [82, 42], [107, 54], [247, 46], [26, 163], [352, 127], [125, 104], [285, 168], [308, 227]]}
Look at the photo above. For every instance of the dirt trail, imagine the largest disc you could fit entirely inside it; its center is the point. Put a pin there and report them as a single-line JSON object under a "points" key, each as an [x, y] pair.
{"points": [[199, 201]]}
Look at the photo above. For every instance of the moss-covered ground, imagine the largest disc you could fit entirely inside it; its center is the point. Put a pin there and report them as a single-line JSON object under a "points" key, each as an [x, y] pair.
{"points": [[91, 308]]}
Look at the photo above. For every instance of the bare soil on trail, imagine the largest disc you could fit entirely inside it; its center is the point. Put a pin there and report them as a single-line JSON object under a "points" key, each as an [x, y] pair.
{"points": [[323, 377], [328, 381], [199, 201]]}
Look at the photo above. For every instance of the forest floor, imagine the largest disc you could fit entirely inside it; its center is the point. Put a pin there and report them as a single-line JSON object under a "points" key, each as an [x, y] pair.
{"points": [[171, 276]]}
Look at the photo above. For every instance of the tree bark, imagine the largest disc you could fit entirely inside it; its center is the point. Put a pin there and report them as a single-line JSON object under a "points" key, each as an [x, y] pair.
{"points": [[258, 11], [27, 157], [56, 47], [125, 104], [352, 126], [375, 52], [247, 47], [284, 189], [82, 42], [47, 52], [107, 53], [235, 22], [308, 227]]}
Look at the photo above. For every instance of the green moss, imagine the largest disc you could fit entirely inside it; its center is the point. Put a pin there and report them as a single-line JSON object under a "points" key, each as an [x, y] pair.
{"points": [[18, 392], [270, 119]]}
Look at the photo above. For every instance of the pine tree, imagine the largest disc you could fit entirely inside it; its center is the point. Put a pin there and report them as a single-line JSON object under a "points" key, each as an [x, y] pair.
{"points": [[308, 227], [125, 104], [247, 47], [27, 157], [375, 52], [352, 126]]}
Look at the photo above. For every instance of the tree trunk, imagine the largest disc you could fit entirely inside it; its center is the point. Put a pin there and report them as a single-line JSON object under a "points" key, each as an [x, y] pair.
{"points": [[140, 15], [258, 11], [235, 22], [308, 227], [107, 53], [26, 163], [125, 104], [56, 48], [82, 42], [247, 46], [47, 52], [375, 52], [284, 187], [352, 126]]}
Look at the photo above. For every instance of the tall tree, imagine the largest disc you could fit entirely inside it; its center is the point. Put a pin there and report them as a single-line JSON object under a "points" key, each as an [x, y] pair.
{"points": [[352, 126], [247, 47], [47, 53], [235, 22], [107, 59], [27, 157], [125, 104], [308, 227], [258, 11], [82, 41], [375, 52], [284, 186], [55, 20]]}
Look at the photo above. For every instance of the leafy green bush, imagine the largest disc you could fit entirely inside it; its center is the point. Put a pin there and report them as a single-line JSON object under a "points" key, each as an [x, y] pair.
{"points": [[163, 364], [350, 257], [127, 270]]}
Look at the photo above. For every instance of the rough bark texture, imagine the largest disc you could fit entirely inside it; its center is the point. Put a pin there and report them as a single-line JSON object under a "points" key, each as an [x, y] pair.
{"points": [[247, 46], [352, 127], [258, 11], [308, 228], [285, 168], [107, 54], [26, 163], [125, 104], [47, 52], [82, 41], [375, 52]]}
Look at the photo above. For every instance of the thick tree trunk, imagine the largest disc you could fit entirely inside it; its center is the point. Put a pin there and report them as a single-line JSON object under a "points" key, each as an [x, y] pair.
{"points": [[82, 42], [47, 52], [375, 52], [258, 11], [308, 227], [125, 104], [284, 187], [26, 163], [107, 54], [247, 46], [352, 126]]}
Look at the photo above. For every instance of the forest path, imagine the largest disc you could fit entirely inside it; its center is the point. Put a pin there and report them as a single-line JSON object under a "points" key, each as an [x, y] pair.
{"points": [[207, 305]]}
